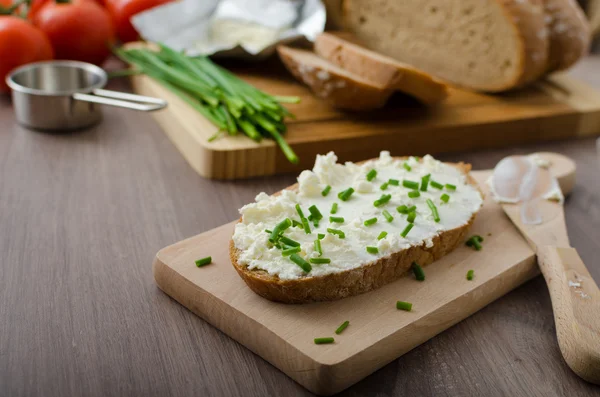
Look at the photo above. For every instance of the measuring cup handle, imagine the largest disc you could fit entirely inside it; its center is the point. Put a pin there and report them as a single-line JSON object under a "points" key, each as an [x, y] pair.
{"points": [[122, 100]]}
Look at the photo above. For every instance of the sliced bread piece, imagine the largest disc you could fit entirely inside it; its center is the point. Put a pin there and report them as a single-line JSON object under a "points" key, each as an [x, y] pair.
{"points": [[569, 31], [379, 69], [352, 269], [337, 86], [484, 45]]}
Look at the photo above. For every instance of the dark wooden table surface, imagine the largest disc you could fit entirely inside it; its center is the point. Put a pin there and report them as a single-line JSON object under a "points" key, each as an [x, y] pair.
{"points": [[82, 215]]}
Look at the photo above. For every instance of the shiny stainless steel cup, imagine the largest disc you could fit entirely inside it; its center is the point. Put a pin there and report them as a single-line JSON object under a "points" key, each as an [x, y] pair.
{"points": [[65, 95]]}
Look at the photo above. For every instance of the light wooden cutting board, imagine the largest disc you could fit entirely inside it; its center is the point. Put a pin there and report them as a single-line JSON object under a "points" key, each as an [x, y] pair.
{"points": [[378, 333], [559, 107]]}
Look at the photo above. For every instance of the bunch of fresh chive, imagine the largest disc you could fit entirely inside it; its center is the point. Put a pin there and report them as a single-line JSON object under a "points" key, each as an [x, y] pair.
{"points": [[230, 103]]}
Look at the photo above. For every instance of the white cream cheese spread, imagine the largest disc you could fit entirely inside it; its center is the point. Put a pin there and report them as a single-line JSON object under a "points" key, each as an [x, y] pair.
{"points": [[350, 252]]}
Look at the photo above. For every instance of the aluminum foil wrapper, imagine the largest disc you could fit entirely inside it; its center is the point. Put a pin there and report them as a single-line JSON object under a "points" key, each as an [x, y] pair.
{"points": [[233, 28]]}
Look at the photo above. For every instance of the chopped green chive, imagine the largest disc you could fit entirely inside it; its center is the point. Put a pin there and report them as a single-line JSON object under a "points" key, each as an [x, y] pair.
{"points": [[280, 228], [436, 185], [320, 261], [320, 236], [305, 225], [314, 211], [474, 241], [381, 235], [434, 211], [384, 186], [204, 261], [345, 195], [410, 184], [318, 247], [402, 209], [336, 219], [412, 208], [337, 232], [371, 175], [289, 241], [411, 217], [316, 223], [372, 250], [326, 191], [407, 167], [418, 271], [323, 341], [342, 327], [425, 182], [382, 200], [387, 215], [394, 182], [299, 211], [290, 251], [445, 198], [334, 208], [406, 230], [406, 306], [470, 275], [414, 194], [268, 231], [370, 222], [301, 262], [450, 187], [295, 223]]}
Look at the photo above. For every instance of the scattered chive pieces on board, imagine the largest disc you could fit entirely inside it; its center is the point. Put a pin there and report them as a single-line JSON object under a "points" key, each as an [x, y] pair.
{"points": [[407, 230], [412, 208], [289, 241], [342, 327], [320, 236], [314, 211], [323, 341], [394, 182], [387, 215], [436, 185], [204, 261], [336, 219], [290, 251], [470, 275], [475, 242], [406, 306], [382, 200], [320, 261], [326, 191], [450, 187], [407, 167], [382, 235], [301, 262], [411, 217], [402, 209], [384, 186], [418, 271], [410, 184], [371, 175], [318, 247], [445, 198], [370, 222], [434, 211], [372, 250], [425, 182], [414, 194], [337, 232], [345, 195], [334, 208]]}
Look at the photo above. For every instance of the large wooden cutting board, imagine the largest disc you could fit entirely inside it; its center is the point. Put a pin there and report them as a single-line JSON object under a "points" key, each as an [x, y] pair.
{"points": [[559, 107], [378, 332]]}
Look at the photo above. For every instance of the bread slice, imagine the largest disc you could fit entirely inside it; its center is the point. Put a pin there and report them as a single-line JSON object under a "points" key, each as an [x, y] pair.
{"points": [[484, 45], [379, 69], [353, 281], [569, 31], [337, 86]]}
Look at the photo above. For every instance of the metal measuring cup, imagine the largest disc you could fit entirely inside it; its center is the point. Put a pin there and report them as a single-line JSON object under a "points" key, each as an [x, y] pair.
{"points": [[64, 95]]}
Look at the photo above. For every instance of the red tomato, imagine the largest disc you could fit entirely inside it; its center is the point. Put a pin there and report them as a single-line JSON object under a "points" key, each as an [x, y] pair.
{"points": [[80, 30], [122, 11], [20, 43]]}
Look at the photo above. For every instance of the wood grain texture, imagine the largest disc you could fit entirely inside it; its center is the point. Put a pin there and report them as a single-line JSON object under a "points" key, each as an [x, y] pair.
{"points": [[82, 216], [559, 107]]}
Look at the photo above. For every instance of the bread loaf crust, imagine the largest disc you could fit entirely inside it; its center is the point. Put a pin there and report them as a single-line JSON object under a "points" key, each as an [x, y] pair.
{"points": [[353, 281]]}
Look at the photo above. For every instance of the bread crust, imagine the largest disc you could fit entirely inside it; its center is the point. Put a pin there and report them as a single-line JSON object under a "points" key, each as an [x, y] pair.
{"points": [[353, 281], [340, 90], [379, 68]]}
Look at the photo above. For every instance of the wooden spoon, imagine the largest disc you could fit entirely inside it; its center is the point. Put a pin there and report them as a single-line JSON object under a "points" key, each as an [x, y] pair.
{"points": [[574, 294]]}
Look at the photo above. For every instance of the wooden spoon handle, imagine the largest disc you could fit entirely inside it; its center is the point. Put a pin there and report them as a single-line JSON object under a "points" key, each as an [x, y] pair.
{"points": [[576, 305]]}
